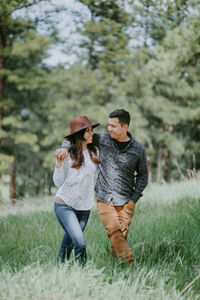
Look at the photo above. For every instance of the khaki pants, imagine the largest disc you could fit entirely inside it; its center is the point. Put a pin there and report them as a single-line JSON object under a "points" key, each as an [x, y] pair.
{"points": [[116, 220]]}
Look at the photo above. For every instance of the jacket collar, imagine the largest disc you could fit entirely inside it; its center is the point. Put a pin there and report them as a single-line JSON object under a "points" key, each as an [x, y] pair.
{"points": [[129, 144]]}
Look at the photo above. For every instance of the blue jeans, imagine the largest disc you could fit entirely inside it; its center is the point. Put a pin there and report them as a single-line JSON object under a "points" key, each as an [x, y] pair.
{"points": [[73, 222]]}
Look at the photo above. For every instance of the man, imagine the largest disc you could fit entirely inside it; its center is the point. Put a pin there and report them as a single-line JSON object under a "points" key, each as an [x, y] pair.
{"points": [[122, 177]]}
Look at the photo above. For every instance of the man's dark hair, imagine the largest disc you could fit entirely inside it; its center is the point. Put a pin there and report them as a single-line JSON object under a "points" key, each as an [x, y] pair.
{"points": [[122, 115]]}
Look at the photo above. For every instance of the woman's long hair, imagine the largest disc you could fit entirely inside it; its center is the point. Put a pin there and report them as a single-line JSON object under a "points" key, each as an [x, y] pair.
{"points": [[76, 150]]}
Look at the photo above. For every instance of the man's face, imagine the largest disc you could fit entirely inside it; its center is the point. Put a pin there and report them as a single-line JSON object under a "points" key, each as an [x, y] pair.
{"points": [[116, 129]]}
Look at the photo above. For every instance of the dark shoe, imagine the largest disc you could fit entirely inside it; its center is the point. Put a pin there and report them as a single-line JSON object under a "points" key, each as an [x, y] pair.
{"points": [[59, 260]]}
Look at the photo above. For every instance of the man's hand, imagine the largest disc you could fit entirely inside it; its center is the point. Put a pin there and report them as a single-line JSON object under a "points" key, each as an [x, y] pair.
{"points": [[60, 154]]}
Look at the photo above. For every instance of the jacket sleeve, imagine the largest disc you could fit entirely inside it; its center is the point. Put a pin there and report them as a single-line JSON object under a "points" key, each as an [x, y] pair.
{"points": [[59, 174], [141, 177], [65, 144]]}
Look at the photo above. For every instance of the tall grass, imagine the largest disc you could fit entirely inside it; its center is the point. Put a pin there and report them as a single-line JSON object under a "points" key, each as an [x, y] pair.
{"points": [[164, 237]]}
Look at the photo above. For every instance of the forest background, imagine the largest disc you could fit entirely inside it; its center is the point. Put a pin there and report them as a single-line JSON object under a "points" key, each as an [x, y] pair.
{"points": [[143, 56]]}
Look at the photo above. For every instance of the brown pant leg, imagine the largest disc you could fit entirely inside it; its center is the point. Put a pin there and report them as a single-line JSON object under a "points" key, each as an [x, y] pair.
{"points": [[111, 222], [125, 214]]}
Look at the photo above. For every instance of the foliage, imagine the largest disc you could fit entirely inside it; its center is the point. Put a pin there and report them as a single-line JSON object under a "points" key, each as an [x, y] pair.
{"points": [[141, 56], [23, 85]]}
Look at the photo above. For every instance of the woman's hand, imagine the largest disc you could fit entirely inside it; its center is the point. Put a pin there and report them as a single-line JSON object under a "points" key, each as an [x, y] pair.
{"points": [[59, 163], [60, 155]]}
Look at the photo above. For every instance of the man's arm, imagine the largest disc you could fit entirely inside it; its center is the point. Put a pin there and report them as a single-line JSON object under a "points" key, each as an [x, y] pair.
{"points": [[141, 177], [62, 151], [65, 144]]}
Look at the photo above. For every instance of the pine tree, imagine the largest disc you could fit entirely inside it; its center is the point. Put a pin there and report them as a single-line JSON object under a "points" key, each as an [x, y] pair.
{"points": [[22, 73], [172, 99]]}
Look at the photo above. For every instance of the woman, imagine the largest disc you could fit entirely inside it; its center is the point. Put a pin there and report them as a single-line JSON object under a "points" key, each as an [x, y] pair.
{"points": [[74, 178]]}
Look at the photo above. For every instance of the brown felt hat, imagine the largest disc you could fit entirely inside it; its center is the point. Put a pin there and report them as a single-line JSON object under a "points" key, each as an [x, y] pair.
{"points": [[79, 123]]}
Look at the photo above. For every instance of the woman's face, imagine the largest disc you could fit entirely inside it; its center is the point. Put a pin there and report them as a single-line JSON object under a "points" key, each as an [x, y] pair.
{"points": [[88, 135]]}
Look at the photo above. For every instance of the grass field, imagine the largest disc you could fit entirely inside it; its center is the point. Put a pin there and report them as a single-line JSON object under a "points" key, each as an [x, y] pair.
{"points": [[164, 236]]}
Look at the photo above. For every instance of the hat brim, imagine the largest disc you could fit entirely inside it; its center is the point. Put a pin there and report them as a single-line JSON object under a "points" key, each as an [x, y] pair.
{"points": [[84, 127]]}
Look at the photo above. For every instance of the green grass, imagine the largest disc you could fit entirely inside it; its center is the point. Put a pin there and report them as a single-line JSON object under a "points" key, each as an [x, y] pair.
{"points": [[164, 236]]}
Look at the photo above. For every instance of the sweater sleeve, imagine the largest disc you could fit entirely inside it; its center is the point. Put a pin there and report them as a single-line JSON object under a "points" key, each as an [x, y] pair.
{"points": [[59, 174]]}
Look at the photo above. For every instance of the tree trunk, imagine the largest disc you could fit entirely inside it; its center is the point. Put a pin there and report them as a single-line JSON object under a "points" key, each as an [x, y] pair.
{"points": [[1, 83], [1, 108], [12, 182], [2, 45], [167, 165], [168, 157], [189, 167], [150, 170], [49, 190], [190, 161], [38, 187], [159, 165], [191, 170]]}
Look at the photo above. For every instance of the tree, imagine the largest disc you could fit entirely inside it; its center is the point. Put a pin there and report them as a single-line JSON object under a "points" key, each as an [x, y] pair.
{"points": [[22, 74], [172, 99]]}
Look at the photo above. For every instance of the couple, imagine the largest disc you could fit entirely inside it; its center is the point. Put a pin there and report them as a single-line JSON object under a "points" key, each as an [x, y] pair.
{"points": [[122, 176]]}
